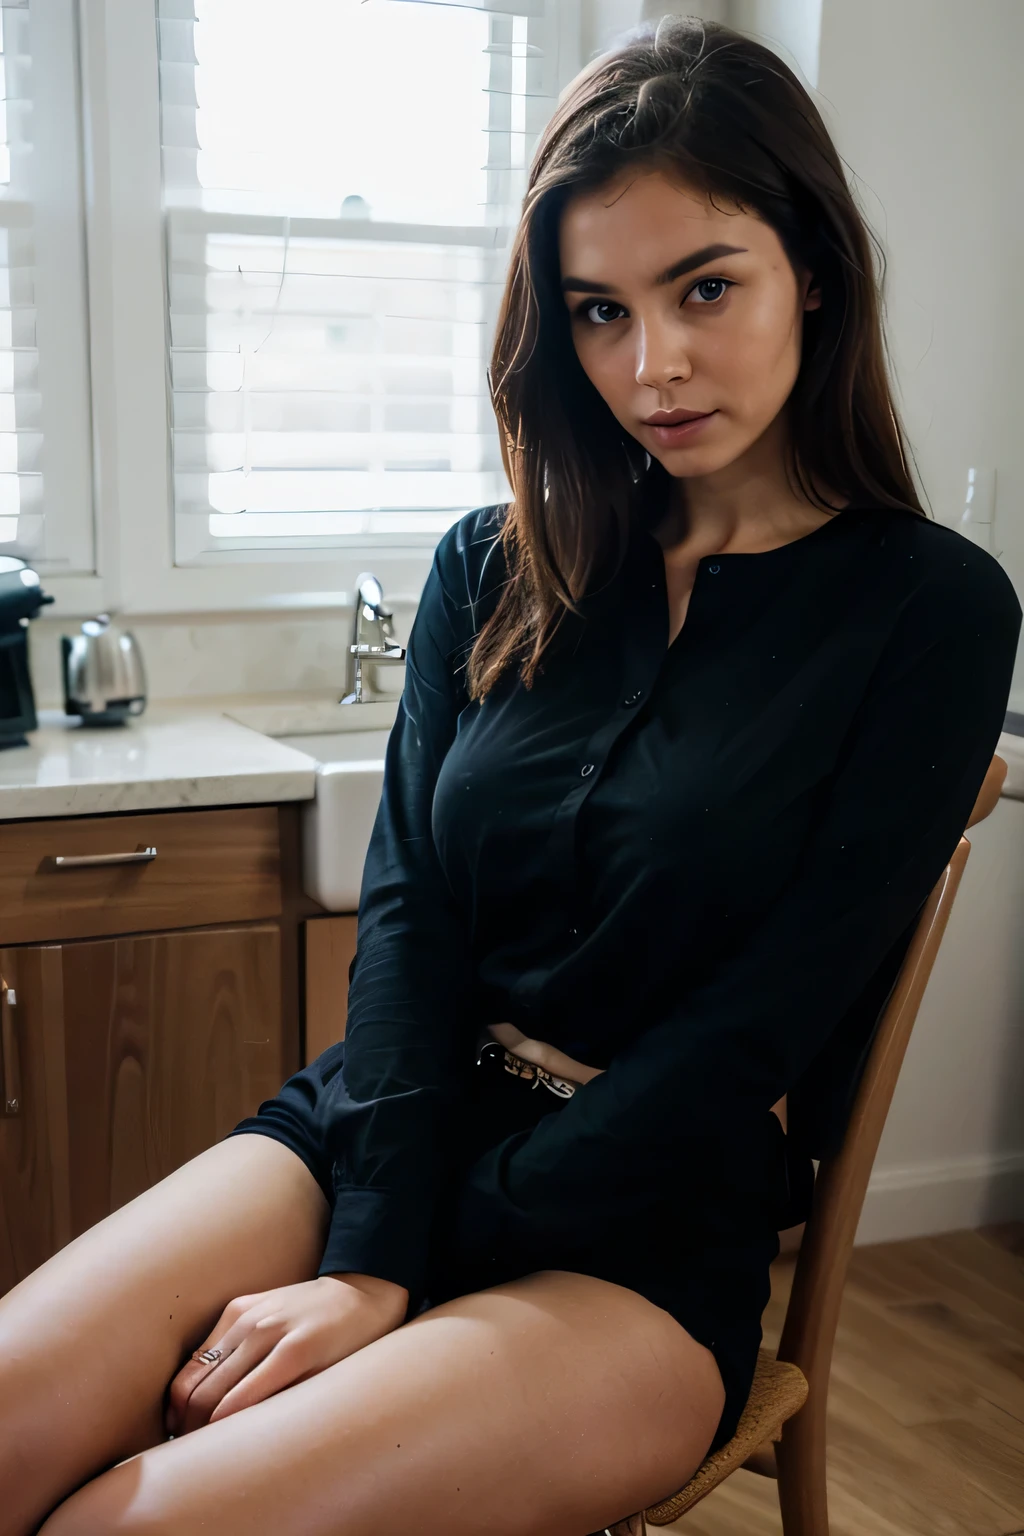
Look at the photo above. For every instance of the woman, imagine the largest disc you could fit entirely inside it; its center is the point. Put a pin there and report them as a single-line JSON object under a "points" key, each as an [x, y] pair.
{"points": [[688, 733]]}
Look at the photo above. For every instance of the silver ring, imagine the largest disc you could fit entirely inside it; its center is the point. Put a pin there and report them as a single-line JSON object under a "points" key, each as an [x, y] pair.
{"points": [[208, 1356]]}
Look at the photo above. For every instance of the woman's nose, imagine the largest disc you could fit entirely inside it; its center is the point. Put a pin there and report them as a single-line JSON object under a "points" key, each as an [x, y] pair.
{"points": [[661, 357]]}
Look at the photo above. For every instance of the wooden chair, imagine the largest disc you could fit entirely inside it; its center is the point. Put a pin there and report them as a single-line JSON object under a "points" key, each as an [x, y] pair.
{"points": [[782, 1431]]}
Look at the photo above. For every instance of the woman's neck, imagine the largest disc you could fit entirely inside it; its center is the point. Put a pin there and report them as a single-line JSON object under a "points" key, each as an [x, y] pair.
{"points": [[747, 507]]}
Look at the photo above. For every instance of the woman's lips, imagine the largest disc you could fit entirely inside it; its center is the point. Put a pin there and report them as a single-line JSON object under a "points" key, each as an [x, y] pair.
{"points": [[679, 432]]}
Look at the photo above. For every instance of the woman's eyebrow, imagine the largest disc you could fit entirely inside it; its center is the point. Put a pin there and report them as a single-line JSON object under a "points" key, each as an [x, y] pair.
{"points": [[678, 269]]}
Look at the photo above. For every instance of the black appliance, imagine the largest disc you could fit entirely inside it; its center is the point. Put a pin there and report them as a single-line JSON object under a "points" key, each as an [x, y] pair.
{"points": [[21, 598]]}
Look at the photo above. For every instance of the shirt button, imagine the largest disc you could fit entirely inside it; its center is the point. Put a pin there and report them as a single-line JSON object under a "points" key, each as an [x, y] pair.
{"points": [[587, 768], [632, 698], [714, 569]]}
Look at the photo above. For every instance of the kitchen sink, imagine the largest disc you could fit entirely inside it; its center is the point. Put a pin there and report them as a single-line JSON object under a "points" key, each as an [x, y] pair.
{"points": [[340, 748], [348, 742], [336, 825]]}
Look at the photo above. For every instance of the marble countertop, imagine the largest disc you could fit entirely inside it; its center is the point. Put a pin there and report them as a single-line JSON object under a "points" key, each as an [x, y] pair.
{"points": [[172, 757]]}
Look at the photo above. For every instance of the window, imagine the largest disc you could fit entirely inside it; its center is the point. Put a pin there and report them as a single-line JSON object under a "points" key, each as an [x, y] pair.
{"points": [[20, 438], [45, 456], [340, 179]]}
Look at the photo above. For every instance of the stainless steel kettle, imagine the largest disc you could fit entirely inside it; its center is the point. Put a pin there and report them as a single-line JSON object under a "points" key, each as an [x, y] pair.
{"points": [[104, 679]]}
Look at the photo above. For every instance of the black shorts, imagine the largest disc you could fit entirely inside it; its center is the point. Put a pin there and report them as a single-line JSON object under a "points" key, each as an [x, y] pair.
{"points": [[717, 1293]]}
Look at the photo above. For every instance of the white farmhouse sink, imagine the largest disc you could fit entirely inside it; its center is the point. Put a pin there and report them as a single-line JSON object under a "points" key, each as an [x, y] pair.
{"points": [[336, 826], [348, 743]]}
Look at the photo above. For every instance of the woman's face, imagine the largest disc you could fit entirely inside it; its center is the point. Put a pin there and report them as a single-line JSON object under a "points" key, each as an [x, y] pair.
{"points": [[678, 307]]}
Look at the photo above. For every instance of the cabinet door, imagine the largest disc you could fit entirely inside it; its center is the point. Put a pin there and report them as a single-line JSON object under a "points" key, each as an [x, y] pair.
{"points": [[330, 950], [34, 1196], [170, 1040], [121, 1059]]}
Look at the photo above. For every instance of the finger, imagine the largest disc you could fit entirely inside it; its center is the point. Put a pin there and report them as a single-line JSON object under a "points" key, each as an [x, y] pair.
{"points": [[290, 1361], [234, 1325], [184, 1384], [233, 1370], [194, 1369], [195, 1374]]}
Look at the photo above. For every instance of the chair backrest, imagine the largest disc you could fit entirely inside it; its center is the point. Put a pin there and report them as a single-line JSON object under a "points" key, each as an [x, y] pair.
{"points": [[842, 1179]]}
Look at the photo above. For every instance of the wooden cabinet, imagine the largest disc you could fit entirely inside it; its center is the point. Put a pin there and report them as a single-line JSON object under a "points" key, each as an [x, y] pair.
{"points": [[330, 950], [123, 1051], [34, 1217], [169, 1039], [79, 877]]}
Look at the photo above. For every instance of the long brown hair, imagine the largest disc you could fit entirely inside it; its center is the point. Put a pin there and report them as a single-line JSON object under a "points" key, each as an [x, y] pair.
{"points": [[727, 117]]}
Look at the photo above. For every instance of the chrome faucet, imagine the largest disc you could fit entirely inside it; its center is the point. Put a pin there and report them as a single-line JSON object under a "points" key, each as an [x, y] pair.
{"points": [[373, 641]]}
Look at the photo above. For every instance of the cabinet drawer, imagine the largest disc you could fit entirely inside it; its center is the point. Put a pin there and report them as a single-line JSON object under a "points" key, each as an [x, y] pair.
{"points": [[208, 867]]}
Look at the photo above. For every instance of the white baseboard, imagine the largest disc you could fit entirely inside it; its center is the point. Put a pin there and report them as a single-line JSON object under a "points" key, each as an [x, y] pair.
{"points": [[942, 1197]]}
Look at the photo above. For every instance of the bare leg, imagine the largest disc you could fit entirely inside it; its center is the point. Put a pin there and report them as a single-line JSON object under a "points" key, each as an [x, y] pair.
{"points": [[547, 1406], [90, 1341]]}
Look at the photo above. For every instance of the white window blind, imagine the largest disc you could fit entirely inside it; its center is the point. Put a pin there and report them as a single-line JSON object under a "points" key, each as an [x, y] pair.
{"points": [[21, 506], [340, 182], [45, 420]]}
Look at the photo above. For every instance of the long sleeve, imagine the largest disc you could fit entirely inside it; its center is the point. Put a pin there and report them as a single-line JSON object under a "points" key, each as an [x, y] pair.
{"points": [[889, 818], [389, 1104]]}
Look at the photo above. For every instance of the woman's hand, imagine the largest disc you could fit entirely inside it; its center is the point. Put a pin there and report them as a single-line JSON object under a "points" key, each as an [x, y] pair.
{"points": [[275, 1338]]}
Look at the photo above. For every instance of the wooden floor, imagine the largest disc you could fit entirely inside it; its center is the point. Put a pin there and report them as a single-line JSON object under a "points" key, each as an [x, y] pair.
{"points": [[926, 1432]]}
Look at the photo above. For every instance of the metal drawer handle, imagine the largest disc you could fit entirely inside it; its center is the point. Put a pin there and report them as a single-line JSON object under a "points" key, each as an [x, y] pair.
{"points": [[90, 860], [10, 1072]]}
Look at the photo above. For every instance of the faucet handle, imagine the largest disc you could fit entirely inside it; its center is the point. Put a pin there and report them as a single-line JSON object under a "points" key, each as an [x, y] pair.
{"points": [[379, 653], [369, 590], [372, 635]]}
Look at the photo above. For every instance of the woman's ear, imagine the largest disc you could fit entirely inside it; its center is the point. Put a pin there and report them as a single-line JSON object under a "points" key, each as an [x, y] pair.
{"points": [[812, 294]]}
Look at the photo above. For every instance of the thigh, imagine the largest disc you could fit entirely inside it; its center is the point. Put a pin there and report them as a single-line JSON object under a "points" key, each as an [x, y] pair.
{"points": [[91, 1339], [555, 1403]]}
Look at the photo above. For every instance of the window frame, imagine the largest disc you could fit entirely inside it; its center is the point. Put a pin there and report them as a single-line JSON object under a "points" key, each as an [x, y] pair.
{"points": [[124, 222]]}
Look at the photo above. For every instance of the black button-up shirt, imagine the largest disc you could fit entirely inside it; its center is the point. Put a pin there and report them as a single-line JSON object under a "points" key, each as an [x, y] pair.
{"points": [[681, 863]]}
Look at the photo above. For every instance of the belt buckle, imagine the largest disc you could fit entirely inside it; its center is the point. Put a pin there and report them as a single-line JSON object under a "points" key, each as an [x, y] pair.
{"points": [[488, 1050], [520, 1067], [527, 1071]]}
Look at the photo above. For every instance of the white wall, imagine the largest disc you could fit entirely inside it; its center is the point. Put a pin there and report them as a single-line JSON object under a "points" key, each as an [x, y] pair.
{"points": [[791, 27], [603, 20], [924, 102], [952, 1154]]}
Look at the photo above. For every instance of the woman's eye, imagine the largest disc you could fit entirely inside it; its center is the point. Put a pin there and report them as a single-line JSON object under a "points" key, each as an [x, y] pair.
{"points": [[710, 289], [587, 309]]}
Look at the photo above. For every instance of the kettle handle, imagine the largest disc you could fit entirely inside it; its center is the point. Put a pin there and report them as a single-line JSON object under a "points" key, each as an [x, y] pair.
{"points": [[65, 669]]}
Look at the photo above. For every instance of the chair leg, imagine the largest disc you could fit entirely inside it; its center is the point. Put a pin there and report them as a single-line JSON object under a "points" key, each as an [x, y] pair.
{"points": [[800, 1457]]}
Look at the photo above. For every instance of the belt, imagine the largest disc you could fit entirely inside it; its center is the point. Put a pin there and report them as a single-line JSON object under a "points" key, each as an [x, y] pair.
{"points": [[528, 1071]]}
